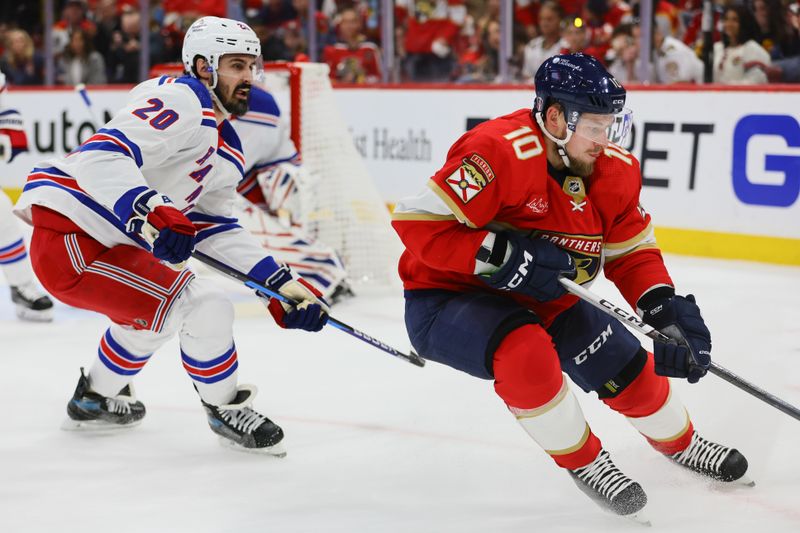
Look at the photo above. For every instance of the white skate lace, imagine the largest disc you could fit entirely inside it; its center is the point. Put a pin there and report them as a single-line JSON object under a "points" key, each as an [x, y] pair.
{"points": [[245, 420], [603, 476], [119, 407], [702, 454]]}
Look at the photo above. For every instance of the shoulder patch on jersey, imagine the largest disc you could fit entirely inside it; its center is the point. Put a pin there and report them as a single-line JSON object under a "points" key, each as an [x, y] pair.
{"points": [[263, 102], [471, 177], [200, 90]]}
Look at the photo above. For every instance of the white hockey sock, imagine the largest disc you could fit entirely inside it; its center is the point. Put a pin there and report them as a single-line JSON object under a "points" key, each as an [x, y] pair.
{"points": [[122, 353], [207, 349], [667, 424], [14, 258], [557, 426]]}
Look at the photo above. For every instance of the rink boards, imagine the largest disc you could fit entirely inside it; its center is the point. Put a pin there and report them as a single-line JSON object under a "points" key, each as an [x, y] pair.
{"points": [[721, 168]]}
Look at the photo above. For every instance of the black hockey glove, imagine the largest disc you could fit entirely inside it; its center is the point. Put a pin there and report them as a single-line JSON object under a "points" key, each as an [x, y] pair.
{"points": [[688, 352], [533, 268]]}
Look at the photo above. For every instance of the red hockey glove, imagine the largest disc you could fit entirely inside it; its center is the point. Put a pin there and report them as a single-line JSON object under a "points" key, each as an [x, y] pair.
{"points": [[311, 312], [167, 229]]}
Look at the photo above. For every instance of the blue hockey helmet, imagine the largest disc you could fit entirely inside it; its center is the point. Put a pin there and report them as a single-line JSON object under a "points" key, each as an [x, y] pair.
{"points": [[581, 84]]}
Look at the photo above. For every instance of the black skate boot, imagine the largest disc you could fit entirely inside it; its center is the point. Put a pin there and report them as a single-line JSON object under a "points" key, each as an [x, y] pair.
{"points": [[342, 292], [242, 428], [713, 460], [32, 303], [612, 490], [90, 410]]}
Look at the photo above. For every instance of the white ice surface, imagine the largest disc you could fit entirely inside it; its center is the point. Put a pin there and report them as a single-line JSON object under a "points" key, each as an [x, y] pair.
{"points": [[377, 445]]}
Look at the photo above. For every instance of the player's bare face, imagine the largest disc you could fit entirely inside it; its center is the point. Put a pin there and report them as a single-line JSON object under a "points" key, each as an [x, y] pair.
{"points": [[234, 80]]}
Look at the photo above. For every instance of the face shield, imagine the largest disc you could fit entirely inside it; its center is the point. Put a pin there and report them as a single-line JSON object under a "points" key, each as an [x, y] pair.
{"points": [[235, 70], [601, 129]]}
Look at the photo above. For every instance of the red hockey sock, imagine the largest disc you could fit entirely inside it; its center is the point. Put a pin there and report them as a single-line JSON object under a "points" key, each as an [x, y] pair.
{"points": [[651, 408], [526, 368], [528, 378]]}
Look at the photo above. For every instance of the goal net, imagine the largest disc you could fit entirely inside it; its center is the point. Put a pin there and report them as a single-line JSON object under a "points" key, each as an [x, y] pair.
{"points": [[341, 206]]}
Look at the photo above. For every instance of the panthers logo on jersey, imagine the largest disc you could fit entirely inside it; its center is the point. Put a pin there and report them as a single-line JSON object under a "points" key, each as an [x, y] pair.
{"points": [[586, 251]]}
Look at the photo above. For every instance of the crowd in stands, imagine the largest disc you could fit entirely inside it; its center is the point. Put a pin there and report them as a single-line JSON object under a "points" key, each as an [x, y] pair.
{"points": [[455, 41]]}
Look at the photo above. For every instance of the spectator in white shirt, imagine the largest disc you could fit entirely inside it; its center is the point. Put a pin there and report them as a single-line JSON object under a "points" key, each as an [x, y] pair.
{"points": [[549, 41], [739, 59], [674, 61]]}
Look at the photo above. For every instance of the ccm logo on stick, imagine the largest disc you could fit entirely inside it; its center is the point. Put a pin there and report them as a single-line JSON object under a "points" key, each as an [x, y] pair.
{"points": [[781, 167]]}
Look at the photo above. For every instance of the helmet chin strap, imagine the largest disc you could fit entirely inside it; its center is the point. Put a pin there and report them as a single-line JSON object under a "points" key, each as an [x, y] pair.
{"points": [[225, 113], [561, 144]]}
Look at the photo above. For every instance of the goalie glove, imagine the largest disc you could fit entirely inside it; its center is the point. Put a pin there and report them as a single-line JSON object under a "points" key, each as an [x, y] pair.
{"points": [[167, 230], [280, 185], [311, 311], [688, 352]]}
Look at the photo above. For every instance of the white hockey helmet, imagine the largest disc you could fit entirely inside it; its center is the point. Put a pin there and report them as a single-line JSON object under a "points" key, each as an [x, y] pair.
{"points": [[213, 37]]}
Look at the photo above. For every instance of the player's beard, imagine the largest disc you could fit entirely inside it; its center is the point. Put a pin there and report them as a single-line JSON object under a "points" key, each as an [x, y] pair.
{"points": [[580, 168], [232, 104]]}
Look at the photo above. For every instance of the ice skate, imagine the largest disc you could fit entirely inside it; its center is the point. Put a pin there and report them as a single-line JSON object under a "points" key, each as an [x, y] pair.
{"points": [[242, 428], [714, 460], [342, 292], [88, 410], [612, 490], [31, 303]]}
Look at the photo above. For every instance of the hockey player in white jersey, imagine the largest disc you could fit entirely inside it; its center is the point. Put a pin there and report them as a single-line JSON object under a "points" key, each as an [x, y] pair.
{"points": [[115, 221], [273, 181], [30, 303]]}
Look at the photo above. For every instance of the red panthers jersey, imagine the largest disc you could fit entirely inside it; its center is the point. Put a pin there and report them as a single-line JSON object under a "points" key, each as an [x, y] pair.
{"points": [[497, 178]]}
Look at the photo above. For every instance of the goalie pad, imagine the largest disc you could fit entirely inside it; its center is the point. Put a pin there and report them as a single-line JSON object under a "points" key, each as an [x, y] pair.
{"points": [[315, 262]]}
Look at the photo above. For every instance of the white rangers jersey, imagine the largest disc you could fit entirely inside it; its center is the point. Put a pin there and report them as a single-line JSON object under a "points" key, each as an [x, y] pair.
{"points": [[166, 138], [266, 143]]}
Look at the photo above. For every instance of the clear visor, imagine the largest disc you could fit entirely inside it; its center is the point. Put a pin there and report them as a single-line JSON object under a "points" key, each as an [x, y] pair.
{"points": [[238, 67], [604, 129]]}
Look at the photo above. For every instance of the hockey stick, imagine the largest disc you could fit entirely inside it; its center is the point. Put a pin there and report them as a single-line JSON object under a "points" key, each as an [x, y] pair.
{"points": [[633, 322], [259, 287], [84, 94]]}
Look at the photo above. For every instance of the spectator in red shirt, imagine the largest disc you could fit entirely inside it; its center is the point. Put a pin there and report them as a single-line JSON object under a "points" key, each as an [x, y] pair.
{"points": [[432, 31], [195, 8], [353, 59]]}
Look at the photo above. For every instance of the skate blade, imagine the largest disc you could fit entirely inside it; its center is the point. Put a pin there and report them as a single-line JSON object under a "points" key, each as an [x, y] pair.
{"points": [[639, 518], [744, 481], [95, 425], [277, 450], [29, 315]]}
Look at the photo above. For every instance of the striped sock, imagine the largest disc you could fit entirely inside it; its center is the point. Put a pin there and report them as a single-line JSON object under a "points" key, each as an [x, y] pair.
{"points": [[215, 379]]}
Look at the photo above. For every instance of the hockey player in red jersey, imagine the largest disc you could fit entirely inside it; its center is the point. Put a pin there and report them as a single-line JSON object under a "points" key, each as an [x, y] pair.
{"points": [[115, 221], [522, 200]]}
